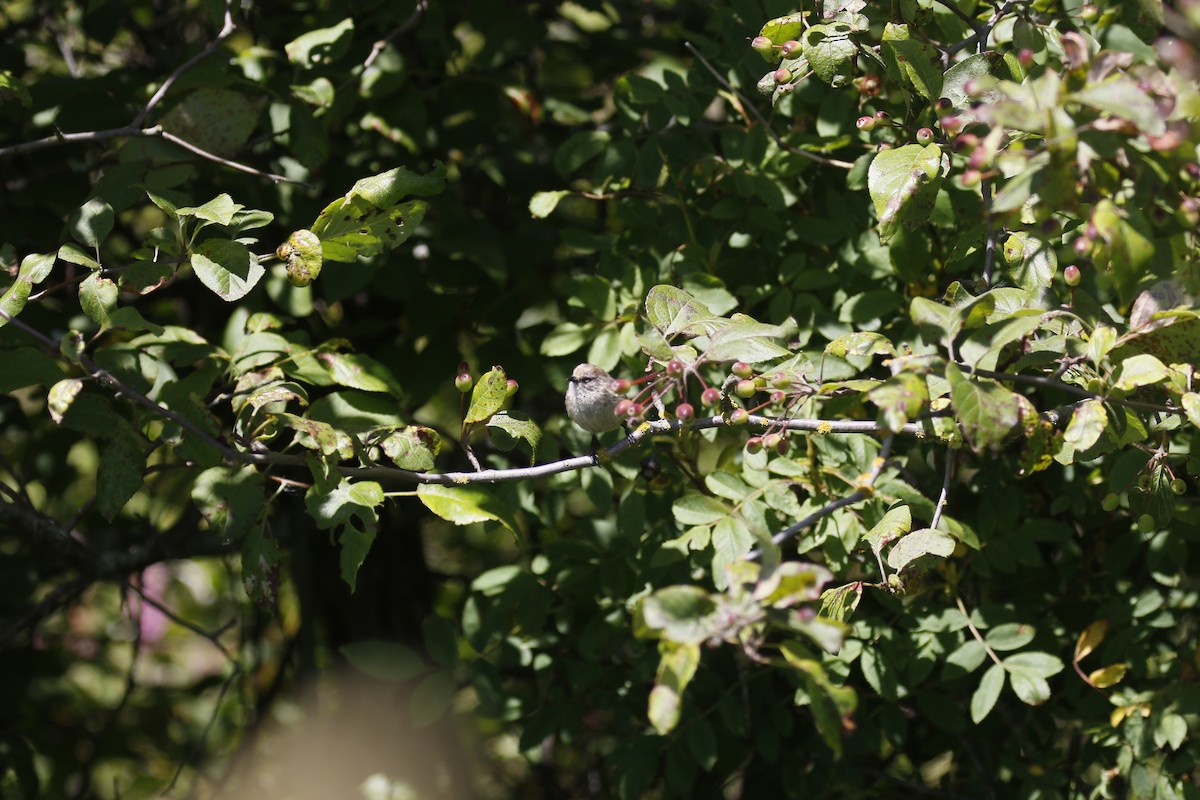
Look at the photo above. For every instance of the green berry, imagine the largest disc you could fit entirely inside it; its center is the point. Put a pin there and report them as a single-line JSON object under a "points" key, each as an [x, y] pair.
{"points": [[511, 387], [1178, 486], [866, 123], [763, 46], [1110, 501], [1072, 275], [780, 380], [745, 388], [783, 75], [742, 369], [1145, 523], [789, 47], [924, 136], [739, 416], [464, 382]]}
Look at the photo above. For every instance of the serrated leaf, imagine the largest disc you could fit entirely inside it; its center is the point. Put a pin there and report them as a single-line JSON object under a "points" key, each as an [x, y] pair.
{"points": [[216, 119], [219, 210], [227, 268], [1029, 261], [673, 311], [983, 700], [98, 298], [464, 505], [987, 411], [924, 542], [830, 52], [1088, 422], [91, 223], [839, 603], [918, 63], [894, 524], [1028, 685], [1139, 370], [350, 227], [349, 507], [230, 499], [903, 183], [698, 509], [413, 448], [487, 396], [680, 614], [507, 428], [900, 399]]}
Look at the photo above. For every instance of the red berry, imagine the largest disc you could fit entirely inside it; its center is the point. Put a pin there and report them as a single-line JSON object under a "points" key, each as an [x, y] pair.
{"points": [[883, 117], [1082, 245], [684, 411], [783, 445], [783, 75], [924, 136], [635, 411], [777, 398], [1072, 275], [464, 382], [675, 368], [1025, 57], [971, 177], [780, 380], [511, 387], [622, 408], [710, 396], [944, 104], [621, 385], [865, 123], [742, 369], [951, 124], [754, 444], [789, 47]]}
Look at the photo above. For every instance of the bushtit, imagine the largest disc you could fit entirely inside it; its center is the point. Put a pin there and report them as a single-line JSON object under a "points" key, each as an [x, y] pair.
{"points": [[591, 401]]}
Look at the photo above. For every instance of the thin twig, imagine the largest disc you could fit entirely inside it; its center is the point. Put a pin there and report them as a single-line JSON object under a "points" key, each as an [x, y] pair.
{"points": [[227, 29], [210, 636], [191, 148], [941, 501], [989, 241], [975, 631], [1069, 388], [746, 103], [865, 490], [62, 595]]}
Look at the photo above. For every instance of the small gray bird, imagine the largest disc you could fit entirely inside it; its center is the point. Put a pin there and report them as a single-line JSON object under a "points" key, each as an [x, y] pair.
{"points": [[591, 401]]}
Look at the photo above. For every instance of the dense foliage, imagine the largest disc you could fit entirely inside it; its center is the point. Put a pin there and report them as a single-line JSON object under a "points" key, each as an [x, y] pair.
{"points": [[903, 297]]}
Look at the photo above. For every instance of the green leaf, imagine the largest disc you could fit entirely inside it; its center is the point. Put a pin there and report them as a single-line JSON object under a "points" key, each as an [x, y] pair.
{"points": [[663, 710], [894, 524], [36, 267], [387, 189], [744, 339], [973, 68], [681, 614], [464, 505], [783, 29], [322, 46], [413, 448], [838, 604], [215, 119], [861, 343], [1130, 247], [1121, 96], [699, 509], [13, 89], [441, 640], [1139, 370], [507, 428], [98, 298], [487, 396], [350, 507], [924, 542], [579, 149], [91, 223], [1043, 664], [830, 52], [352, 227], [984, 698], [918, 63], [119, 476], [73, 254], [232, 500], [1088, 422], [431, 699], [930, 315], [27, 366], [673, 311], [987, 411], [219, 210], [1191, 406], [392, 662], [542, 204], [1010, 636], [900, 399], [1029, 686], [903, 183], [1030, 262], [61, 396], [359, 371], [303, 254], [226, 267]]}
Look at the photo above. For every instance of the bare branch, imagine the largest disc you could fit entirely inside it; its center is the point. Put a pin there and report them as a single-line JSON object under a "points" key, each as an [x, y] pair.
{"points": [[191, 148], [941, 501]]}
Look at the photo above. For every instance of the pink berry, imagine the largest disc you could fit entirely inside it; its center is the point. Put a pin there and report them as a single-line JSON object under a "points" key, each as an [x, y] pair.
{"points": [[621, 385], [865, 123], [924, 136], [789, 47], [675, 367], [742, 369], [684, 411], [1072, 275], [710, 396]]}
